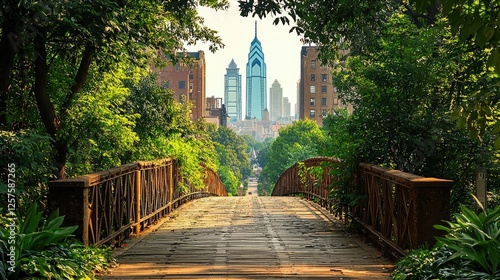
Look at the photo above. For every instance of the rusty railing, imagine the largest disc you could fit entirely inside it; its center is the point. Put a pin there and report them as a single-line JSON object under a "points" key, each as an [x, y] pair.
{"points": [[399, 209], [108, 205], [289, 183]]}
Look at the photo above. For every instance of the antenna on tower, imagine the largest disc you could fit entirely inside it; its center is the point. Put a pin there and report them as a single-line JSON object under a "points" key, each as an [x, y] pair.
{"points": [[255, 29]]}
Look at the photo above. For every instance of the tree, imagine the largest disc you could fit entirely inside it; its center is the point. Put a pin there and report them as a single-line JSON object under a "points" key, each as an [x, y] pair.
{"points": [[302, 140], [401, 99], [233, 157], [355, 25], [49, 37]]}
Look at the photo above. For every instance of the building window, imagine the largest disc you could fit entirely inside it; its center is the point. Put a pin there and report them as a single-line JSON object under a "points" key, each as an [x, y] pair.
{"points": [[313, 77], [323, 101], [335, 101], [312, 89], [324, 77], [182, 84], [178, 67], [191, 86], [312, 113], [324, 113], [312, 101], [313, 64], [190, 76], [166, 84], [323, 89]]}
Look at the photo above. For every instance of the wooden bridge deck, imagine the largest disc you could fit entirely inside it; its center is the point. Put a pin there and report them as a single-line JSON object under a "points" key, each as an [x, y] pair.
{"points": [[249, 238]]}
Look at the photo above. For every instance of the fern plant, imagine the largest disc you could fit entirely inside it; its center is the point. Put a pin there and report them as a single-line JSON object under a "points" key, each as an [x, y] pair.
{"points": [[475, 238], [33, 234]]}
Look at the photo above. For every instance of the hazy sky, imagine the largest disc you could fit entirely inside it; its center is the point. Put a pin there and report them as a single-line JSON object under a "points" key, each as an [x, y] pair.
{"points": [[281, 51]]}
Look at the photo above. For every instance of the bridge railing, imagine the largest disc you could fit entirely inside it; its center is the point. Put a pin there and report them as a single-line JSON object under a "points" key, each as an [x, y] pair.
{"points": [[291, 182], [399, 209], [108, 205]]}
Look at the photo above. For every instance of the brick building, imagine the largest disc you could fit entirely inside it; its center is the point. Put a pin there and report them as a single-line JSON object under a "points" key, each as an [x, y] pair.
{"points": [[187, 81], [317, 95]]}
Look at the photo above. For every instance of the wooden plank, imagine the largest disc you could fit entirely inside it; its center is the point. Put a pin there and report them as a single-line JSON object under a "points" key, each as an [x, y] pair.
{"points": [[249, 238]]}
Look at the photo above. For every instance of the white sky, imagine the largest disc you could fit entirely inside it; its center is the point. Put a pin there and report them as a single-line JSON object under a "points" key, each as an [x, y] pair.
{"points": [[281, 51]]}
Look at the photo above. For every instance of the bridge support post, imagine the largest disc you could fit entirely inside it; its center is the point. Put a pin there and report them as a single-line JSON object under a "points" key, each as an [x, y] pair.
{"points": [[432, 205], [137, 185], [71, 197]]}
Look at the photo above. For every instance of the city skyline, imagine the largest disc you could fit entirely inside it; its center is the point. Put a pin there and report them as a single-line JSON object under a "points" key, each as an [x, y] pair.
{"points": [[282, 50]]}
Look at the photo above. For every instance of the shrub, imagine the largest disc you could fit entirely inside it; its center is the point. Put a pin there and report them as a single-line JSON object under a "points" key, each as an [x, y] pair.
{"points": [[469, 250], [42, 249]]}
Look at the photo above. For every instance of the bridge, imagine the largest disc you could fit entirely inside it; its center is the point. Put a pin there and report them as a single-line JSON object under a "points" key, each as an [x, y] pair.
{"points": [[140, 209]]}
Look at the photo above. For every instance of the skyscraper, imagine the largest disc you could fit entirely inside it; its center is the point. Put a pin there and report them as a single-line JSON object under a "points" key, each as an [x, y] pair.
{"points": [[232, 92], [286, 108], [276, 101], [256, 97]]}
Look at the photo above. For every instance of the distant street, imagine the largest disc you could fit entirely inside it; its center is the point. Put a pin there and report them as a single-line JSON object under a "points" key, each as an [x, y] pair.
{"points": [[252, 186]]}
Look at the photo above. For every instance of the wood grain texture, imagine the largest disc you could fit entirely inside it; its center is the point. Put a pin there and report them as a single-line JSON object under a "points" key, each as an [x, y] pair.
{"points": [[249, 237]]}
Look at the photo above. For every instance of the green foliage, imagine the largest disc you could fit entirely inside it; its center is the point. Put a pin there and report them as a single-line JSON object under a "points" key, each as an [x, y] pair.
{"points": [[31, 154], [421, 264], [313, 173], [75, 45], [69, 260], [108, 131], [402, 101], [469, 250], [475, 238], [230, 181], [232, 156], [302, 140], [31, 234]]}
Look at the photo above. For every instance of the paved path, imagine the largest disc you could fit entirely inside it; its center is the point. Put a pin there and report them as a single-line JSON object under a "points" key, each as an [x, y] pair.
{"points": [[249, 237]]}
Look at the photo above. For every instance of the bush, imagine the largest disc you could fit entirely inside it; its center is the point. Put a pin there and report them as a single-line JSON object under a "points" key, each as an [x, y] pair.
{"points": [[469, 250], [31, 153], [41, 248]]}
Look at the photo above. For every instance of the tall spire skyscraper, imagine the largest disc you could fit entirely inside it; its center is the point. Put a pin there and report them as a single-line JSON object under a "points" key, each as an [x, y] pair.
{"points": [[256, 97], [232, 92]]}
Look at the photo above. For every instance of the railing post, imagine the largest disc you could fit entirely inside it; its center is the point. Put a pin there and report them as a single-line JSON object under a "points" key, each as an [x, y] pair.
{"points": [[138, 188], [71, 197], [432, 205], [170, 186]]}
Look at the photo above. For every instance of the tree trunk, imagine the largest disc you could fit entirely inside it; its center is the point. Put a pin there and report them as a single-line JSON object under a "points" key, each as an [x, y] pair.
{"points": [[45, 107], [7, 50]]}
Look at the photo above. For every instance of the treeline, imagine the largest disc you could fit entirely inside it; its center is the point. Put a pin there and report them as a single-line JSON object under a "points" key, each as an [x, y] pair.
{"points": [[78, 95], [423, 80]]}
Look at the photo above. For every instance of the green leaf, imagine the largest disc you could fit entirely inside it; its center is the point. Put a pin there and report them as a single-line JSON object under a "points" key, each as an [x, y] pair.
{"points": [[32, 220], [497, 142]]}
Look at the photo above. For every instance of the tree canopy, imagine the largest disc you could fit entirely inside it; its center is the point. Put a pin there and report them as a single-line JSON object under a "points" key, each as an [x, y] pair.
{"points": [[53, 50], [302, 140]]}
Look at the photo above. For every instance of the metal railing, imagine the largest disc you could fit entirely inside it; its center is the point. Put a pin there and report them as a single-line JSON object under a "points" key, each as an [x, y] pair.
{"points": [[109, 205], [399, 209]]}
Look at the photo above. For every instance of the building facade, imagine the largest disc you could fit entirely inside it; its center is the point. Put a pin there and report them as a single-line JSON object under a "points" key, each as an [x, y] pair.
{"points": [[215, 111], [256, 88], [286, 109], [317, 96], [187, 81], [276, 101], [232, 92]]}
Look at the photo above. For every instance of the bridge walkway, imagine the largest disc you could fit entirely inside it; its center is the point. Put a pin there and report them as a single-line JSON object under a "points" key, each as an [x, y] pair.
{"points": [[249, 237]]}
